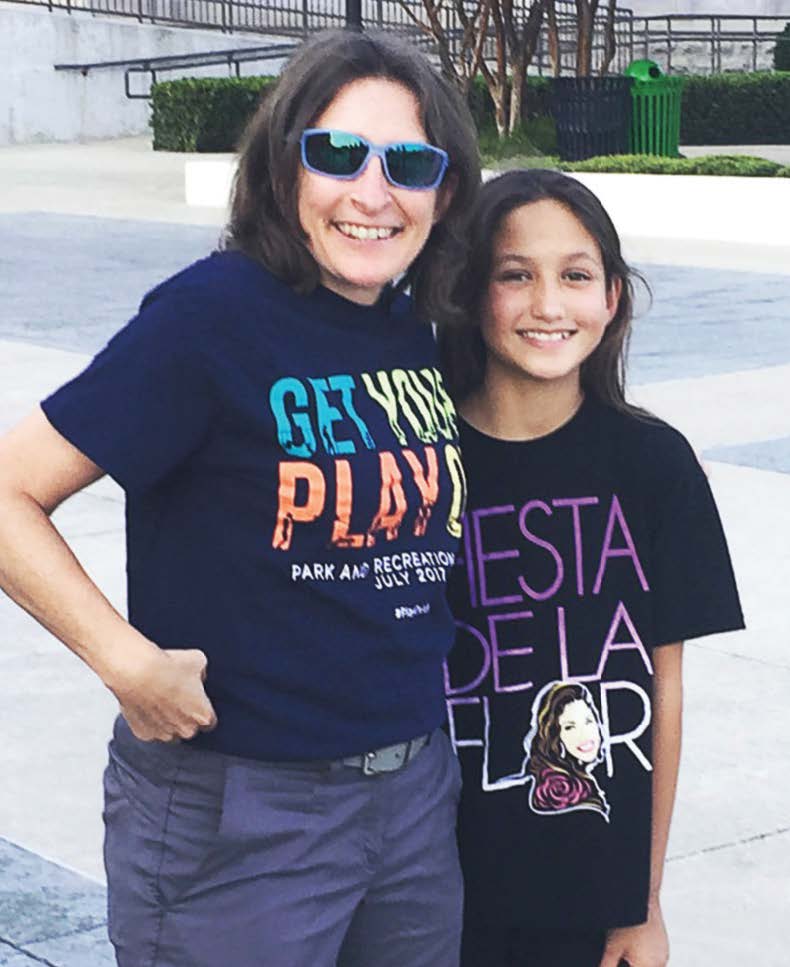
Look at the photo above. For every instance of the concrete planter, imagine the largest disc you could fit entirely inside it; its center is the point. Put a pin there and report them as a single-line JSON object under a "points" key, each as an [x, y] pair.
{"points": [[743, 211]]}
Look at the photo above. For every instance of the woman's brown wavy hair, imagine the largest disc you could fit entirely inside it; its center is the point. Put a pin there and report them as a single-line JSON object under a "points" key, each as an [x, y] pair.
{"points": [[264, 221]]}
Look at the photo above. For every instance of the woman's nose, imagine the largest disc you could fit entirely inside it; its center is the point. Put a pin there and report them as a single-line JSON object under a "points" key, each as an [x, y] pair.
{"points": [[371, 190]]}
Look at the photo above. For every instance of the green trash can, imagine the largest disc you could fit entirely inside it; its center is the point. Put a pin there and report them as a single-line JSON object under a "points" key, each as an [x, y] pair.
{"points": [[655, 119]]}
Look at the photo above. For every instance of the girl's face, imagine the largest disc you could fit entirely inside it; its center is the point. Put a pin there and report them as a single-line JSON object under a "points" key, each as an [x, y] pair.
{"points": [[547, 305], [579, 731], [335, 213]]}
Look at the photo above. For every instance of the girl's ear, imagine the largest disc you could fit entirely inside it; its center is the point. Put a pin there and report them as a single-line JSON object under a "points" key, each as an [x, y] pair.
{"points": [[613, 294], [445, 196]]}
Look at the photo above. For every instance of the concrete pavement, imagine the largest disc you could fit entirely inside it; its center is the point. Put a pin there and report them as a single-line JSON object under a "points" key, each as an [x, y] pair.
{"points": [[84, 231]]}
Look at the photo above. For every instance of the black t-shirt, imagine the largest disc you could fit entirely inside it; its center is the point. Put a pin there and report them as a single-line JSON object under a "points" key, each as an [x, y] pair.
{"points": [[294, 492], [583, 551]]}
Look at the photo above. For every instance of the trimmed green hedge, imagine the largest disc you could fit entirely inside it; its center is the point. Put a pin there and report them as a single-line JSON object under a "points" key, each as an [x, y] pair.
{"points": [[203, 113], [736, 109], [209, 114], [646, 164]]}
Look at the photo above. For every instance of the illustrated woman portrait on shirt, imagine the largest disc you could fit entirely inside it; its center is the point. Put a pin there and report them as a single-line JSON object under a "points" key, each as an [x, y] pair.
{"points": [[564, 744]]}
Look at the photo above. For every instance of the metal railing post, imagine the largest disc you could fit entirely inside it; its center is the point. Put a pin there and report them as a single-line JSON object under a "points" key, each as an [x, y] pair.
{"points": [[669, 45]]}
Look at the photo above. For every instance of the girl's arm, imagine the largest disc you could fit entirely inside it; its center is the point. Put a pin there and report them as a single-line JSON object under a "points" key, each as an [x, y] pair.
{"points": [[647, 945], [160, 692]]}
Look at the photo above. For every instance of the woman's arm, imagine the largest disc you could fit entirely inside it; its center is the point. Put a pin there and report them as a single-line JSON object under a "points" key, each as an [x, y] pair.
{"points": [[647, 944], [160, 692]]}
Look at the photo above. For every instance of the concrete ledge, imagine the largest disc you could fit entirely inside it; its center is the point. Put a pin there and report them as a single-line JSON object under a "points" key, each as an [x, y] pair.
{"points": [[749, 211], [207, 180], [706, 209]]}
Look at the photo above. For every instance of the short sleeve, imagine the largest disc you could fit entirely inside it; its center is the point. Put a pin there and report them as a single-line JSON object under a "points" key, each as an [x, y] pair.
{"points": [[145, 402], [693, 585]]}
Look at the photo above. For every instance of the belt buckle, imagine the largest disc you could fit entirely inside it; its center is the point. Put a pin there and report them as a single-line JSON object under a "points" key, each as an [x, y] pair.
{"points": [[389, 759]]}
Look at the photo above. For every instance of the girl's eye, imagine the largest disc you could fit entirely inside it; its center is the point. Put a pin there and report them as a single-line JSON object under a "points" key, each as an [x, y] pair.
{"points": [[577, 275], [514, 276]]}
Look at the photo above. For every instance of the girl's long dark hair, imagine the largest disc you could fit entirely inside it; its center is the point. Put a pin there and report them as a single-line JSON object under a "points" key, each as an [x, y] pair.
{"points": [[264, 221], [462, 347]]}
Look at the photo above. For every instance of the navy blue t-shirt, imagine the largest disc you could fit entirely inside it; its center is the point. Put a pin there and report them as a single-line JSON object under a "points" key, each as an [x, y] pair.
{"points": [[584, 552], [293, 499]]}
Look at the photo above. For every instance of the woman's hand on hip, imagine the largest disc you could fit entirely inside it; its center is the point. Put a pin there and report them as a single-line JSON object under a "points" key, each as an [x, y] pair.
{"points": [[163, 697]]}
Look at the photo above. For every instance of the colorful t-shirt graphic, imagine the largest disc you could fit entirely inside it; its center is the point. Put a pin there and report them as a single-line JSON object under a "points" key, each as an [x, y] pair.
{"points": [[565, 742], [294, 499], [582, 552]]}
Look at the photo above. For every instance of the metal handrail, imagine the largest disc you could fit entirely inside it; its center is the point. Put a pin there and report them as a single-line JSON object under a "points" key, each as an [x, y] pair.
{"points": [[297, 18], [712, 33], [234, 58]]}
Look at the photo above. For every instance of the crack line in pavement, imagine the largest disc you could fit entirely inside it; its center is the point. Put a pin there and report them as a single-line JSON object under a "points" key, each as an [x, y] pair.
{"points": [[110, 530], [734, 654], [737, 842], [21, 950]]}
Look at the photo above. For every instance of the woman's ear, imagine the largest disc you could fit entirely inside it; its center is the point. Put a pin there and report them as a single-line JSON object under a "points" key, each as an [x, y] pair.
{"points": [[445, 196], [613, 293]]}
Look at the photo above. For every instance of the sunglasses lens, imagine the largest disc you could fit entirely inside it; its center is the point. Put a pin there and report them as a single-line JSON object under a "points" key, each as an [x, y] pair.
{"points": [[335, 153], [414, 165]]}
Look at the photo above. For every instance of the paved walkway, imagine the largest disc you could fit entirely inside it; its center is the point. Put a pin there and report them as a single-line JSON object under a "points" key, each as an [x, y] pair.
{"points": [[84, 230]]}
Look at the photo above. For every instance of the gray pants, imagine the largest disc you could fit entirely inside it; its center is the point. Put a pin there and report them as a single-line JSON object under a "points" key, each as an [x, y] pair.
{"points": [[214, 860]]}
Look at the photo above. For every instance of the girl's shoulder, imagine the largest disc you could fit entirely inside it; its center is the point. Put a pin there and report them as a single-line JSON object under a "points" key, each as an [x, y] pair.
{"points": [[652, 447]]}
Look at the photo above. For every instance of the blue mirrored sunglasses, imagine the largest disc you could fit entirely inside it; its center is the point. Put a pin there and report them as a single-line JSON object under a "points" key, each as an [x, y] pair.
{"points": [[406, 164]]}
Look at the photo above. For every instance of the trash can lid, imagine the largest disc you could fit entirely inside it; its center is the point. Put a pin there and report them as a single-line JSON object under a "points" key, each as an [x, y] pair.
{"points": [[643, 70]]}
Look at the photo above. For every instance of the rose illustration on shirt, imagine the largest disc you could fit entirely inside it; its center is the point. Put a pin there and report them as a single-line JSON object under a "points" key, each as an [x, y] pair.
{"points": [[564, 744], [560, 790]]}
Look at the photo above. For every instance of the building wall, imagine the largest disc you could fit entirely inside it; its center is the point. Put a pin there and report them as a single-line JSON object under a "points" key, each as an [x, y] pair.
{"points": [[38, 103], [762, 8]]}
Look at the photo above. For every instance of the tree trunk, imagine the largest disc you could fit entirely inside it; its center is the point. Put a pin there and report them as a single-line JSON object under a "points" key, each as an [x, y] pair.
{"points": [[555, 55], [517, 84], [610, 39], [585, 28]]}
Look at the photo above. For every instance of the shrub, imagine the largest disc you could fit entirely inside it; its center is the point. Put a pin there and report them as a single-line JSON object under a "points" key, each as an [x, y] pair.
{"points": [[645, 164], [203, 113], [533, 139], [535, 105], [739, 108], [782, 50], [783, 172]]}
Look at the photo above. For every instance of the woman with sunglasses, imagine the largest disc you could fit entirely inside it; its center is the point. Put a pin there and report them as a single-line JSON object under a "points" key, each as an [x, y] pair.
{"points": [[279, 791]]}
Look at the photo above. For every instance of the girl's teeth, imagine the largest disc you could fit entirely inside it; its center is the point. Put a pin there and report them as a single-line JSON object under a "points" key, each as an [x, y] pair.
{"points": [[547, 336], [364, 233]]}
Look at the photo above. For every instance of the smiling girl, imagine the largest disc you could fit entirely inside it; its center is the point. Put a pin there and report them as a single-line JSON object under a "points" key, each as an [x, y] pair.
{"points": [[592, 549]]}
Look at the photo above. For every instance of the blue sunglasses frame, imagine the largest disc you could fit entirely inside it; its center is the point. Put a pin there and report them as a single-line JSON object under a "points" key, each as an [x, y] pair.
{"points": [[374, 151]]}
